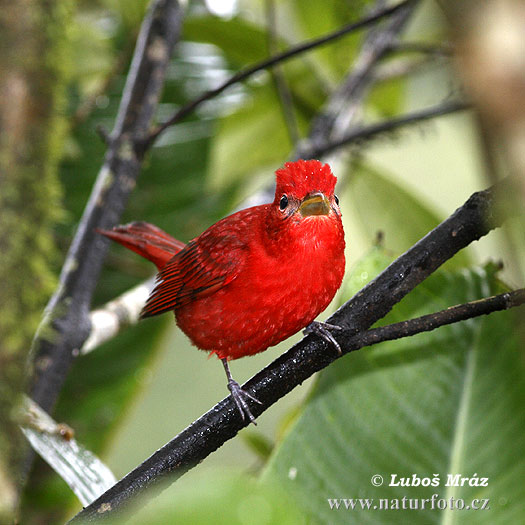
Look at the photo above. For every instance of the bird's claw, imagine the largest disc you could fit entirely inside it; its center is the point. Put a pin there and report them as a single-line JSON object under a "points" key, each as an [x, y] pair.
{"points": [[323, 330], [239, 397]]}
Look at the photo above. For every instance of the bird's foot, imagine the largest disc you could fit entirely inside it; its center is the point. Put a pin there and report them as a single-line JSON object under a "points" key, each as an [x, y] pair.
{"points": [[323, 330], [240, 396]]}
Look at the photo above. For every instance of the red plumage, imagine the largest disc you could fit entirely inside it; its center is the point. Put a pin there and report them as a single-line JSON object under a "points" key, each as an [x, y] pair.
{"points": [[147, 240], [255, 277]]}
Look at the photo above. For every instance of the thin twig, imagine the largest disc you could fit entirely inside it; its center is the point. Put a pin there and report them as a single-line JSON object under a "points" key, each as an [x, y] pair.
{"points": [[399, 68], [270, 62], [470, 222], [360, 135], [429, 322]]}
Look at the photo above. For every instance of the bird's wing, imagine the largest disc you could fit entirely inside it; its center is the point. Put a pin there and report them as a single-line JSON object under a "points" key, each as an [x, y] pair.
{"points": [[204, 266]]}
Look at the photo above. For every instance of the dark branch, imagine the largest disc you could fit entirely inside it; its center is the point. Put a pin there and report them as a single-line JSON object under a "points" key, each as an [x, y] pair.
{"points": [[270, 62], [362, 134], [429, 322], [67, 315], [470, 222]]}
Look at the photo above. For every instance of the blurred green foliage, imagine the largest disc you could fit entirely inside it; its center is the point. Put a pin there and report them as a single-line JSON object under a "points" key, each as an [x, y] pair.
{"points": [[224, 498], [197, 172]]}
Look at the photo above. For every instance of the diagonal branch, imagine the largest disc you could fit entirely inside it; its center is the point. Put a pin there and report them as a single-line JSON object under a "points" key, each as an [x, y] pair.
{"points": [[110, 319], [66, 324], [469, 223], [270, 62]]}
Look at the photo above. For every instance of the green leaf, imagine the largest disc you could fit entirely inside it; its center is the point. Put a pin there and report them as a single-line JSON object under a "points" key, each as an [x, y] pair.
{"points": [[240, 41], [444, 402], [243, 43], [381, 204]]}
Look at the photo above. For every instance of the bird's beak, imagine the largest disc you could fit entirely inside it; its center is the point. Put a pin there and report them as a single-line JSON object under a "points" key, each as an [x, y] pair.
{"points": [[315, 203]]}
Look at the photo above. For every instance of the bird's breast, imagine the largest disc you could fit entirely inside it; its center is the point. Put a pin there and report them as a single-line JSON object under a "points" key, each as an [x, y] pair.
{"points": [[280, 290]]}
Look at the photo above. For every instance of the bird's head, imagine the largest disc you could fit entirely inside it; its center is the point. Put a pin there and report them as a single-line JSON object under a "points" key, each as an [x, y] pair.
{"points": [[304, 190]]}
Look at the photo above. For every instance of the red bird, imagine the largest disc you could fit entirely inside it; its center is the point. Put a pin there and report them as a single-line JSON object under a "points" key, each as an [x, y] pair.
{"points": [[255, 277]]}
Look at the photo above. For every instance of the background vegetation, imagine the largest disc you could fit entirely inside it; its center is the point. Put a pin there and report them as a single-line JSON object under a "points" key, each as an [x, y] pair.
{"points": [[449, 401]]}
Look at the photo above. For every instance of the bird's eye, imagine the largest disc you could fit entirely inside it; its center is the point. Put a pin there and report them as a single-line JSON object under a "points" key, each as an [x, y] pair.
{"points": [[283, 202], [336, 199]]}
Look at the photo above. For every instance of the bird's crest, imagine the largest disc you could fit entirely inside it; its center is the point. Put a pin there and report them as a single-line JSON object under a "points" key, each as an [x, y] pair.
{"points": [[302, 177]]}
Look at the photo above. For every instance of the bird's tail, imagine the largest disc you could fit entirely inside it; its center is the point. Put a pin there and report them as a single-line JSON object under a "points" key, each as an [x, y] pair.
{"points": [[147, 240]]}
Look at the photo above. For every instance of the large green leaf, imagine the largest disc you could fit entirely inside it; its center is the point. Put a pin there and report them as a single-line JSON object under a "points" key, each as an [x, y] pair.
{"points": [[380, 203], [445, 402], [241, 41]]}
